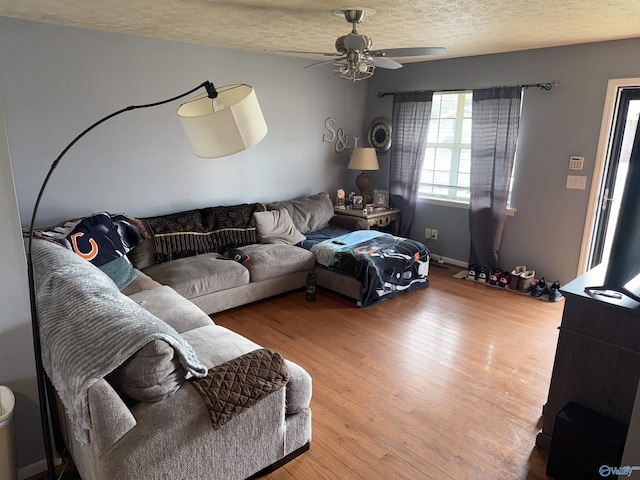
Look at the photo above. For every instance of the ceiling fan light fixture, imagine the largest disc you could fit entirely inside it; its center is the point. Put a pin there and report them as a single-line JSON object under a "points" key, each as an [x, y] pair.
{"points": [[357, 59], [353, 71]]}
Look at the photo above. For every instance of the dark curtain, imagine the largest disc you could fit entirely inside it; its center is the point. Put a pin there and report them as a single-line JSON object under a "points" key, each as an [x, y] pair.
{"points": [[410, 122], [496, 117]]}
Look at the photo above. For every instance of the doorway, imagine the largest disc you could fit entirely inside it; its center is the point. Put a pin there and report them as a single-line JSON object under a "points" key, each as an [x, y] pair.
{"points": [[619, 124]]}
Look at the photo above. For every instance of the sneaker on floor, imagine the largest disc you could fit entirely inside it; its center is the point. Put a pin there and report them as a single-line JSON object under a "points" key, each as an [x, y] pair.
{"points": [[505, 279], [554, 292], [539, 288], [526, 281], [473, 273], [496, 275], [516, 274], [483, 275]]}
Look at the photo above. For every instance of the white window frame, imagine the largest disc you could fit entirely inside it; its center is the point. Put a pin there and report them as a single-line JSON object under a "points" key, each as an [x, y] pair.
{"points": [[457, 146]]}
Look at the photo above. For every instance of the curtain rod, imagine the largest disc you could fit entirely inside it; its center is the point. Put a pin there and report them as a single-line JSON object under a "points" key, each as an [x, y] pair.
{"points": [[542, 86]]}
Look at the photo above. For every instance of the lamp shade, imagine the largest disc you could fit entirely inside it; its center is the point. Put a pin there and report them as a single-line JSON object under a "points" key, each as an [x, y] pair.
{"points": [[364, 158], [224, 125]]}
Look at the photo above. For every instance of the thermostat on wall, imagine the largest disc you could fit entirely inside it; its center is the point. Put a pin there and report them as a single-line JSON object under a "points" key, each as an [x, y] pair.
{"points": [[576, 163]]}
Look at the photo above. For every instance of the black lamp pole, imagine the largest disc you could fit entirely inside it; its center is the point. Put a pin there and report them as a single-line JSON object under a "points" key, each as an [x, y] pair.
{"points": [[35, 323]]}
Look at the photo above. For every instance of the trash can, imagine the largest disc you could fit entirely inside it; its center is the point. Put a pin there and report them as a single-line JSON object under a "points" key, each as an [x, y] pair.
{"points": [[8, 467]]}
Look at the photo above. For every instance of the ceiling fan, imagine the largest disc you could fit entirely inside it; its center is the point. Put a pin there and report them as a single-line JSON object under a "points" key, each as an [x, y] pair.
{"points": [[356, 59]]}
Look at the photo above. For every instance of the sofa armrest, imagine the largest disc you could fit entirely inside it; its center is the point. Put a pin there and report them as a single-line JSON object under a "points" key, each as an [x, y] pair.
{"points": [[298, 389], [111, 419], [349, 223]]}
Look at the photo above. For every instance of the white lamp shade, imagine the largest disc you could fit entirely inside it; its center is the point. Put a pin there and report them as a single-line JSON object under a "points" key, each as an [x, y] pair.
{"points": [[364, 158], [228, 124]]}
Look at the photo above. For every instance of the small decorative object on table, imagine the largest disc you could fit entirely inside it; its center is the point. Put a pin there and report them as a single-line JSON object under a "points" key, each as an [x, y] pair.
{"points": [[340, 199], [357, 202], [381, 198]]}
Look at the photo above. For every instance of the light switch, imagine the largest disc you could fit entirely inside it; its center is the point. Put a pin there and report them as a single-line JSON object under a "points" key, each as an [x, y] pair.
{"points": [[577, 182]]}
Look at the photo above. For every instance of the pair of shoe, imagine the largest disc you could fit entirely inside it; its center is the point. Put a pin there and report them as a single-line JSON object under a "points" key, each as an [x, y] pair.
{"points": [[494, 276], [477, 273], [522, 279], [541, 288]]}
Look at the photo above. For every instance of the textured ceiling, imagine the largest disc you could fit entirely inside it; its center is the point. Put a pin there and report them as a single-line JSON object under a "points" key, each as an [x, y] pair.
{"points": [[464, 27]]}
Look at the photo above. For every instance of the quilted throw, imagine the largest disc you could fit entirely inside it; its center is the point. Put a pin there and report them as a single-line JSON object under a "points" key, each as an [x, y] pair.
{"points": [[235, 386], [213, 229]]}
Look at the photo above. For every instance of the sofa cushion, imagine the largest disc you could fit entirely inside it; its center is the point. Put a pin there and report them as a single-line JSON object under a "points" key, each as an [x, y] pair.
{"points": [[276, 226], [143, 255], [272, 260], [150, 375], [308, 213], [141, 282], [172, 308], [195, 276]]}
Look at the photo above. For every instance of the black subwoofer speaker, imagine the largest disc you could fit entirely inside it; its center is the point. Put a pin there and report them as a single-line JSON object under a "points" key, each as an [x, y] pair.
{"points": [[583, 442]]}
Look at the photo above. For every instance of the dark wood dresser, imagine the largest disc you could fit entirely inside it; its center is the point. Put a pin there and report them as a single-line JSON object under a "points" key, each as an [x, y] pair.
{"points": [[597, 361]]}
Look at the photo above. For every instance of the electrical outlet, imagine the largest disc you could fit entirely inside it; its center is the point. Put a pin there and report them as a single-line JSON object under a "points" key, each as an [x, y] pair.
{"points": [[427, 233], [434, 234]]}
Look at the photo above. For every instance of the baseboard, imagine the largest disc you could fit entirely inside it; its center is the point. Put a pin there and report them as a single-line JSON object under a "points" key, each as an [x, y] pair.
{"points": [[435, 258]]}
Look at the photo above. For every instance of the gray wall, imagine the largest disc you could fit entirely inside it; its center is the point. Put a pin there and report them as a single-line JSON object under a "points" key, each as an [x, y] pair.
{"points": [[546, 232], [17, 366], [55, 81]]}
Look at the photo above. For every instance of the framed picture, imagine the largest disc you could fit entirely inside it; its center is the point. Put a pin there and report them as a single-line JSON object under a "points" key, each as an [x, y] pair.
{"points": [[357, 201], [381, 198]]}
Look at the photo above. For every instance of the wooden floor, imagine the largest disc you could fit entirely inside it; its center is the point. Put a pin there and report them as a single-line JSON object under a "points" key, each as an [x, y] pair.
{"points": [[445, 382]]}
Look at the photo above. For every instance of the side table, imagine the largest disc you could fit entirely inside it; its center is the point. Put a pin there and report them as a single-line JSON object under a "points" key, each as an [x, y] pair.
{"points": [[377, 218]]}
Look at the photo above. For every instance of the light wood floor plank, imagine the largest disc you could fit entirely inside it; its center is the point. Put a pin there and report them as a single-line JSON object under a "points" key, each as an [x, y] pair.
{"points": [[447, 382]]}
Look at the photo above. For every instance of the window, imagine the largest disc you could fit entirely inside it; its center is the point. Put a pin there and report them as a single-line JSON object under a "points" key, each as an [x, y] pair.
{"points": [[447, 163]]}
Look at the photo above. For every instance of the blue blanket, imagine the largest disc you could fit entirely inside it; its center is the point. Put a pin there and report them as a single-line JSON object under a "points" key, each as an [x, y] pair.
{"points": [[386, 265]]}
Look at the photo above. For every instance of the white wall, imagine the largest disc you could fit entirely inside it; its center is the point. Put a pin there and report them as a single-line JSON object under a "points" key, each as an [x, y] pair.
{"points": [[55, 81]]}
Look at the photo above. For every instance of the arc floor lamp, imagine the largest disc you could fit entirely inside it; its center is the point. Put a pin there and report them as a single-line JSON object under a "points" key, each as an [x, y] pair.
{"points": [[217, 123]]}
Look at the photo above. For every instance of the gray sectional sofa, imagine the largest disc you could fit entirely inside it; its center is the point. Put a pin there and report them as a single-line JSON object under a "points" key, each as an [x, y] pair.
{"points": [[148, 386], [127, 368], [197, 264], [131, 350]]}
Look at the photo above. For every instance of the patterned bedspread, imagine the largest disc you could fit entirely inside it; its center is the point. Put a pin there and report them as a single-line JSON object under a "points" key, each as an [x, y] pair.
{"points": [[385, 264]]}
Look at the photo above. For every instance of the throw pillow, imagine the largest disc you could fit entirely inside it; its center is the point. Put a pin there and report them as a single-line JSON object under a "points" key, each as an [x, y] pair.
{"points": [[102, 239], [276, 226], [309, 214], [150, 375]]}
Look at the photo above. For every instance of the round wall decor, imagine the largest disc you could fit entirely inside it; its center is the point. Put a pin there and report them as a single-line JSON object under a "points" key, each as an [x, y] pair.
{"points": [[379, 134]]}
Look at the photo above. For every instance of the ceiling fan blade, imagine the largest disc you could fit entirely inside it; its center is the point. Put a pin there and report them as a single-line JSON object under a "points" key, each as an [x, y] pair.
{"points": [[305, 53], [383, 62], [324, 62], [410, 52]]}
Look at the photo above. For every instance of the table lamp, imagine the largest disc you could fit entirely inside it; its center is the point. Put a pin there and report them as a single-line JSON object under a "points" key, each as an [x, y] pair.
{"points": [[364, 158]]}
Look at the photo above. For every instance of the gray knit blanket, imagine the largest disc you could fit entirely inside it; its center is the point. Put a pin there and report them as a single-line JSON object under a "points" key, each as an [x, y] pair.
{"points": [[88, 329]]}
